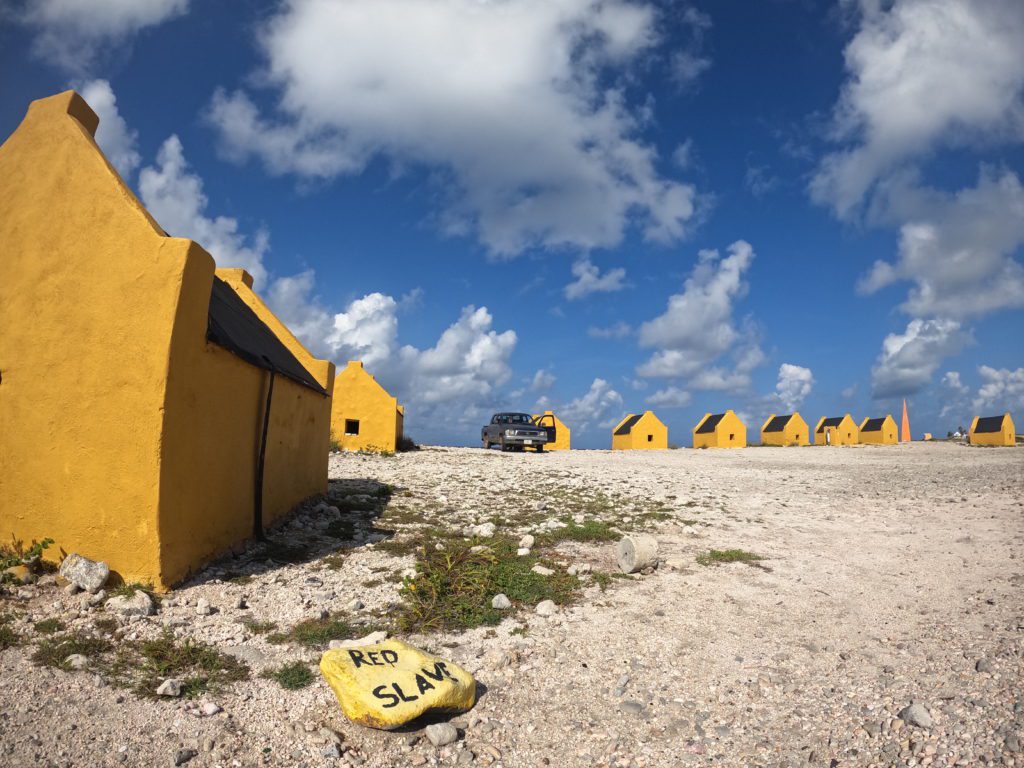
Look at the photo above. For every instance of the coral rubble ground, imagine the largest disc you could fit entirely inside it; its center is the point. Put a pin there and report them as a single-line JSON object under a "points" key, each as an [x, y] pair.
{"points": [[883, 624]]}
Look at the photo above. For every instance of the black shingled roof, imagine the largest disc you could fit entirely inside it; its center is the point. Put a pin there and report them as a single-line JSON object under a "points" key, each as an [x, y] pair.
{"points": [[778, 423], [873, 425], [832, 421], [233, 325], [990, 424], [710, 423], [628, 424]]}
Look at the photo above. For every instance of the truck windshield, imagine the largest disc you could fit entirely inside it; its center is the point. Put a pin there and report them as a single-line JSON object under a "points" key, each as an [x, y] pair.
{"points": [[519, 418]]}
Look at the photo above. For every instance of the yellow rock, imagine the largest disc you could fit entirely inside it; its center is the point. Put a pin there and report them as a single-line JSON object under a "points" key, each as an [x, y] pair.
{"points": [[387, 684], [20, 573]]}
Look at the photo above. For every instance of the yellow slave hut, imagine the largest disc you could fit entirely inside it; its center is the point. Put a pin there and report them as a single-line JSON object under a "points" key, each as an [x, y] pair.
{"points": [[563, 434], [879, 431], [992, 430], [787, 429], [836, 430], [720, 430], [364, 416], [155, 412], [639, 432]]}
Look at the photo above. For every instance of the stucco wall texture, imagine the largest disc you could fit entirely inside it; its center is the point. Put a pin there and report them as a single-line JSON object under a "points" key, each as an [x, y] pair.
{"points": [[362, 402], [127, 436]]}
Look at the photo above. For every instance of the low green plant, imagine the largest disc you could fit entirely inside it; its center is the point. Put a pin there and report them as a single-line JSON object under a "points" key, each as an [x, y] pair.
{"points": [[334, 562], [17, 554], [291, 676], [48, 626], [9, 638], [453, 586], [144, 664], [590, 531], [257, 627], [316, 633], [52, 651], [720, 556]]}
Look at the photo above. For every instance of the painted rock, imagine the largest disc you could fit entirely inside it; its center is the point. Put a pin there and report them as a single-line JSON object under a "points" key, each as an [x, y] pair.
{"points": [[387, 684]]}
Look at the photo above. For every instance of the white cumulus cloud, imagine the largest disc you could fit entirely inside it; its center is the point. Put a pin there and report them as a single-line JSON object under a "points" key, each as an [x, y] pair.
{"points": [[590, 280], [599, 403], [698, 326], [957, 251], [909, 359], [794, 385], [521, 107], [74, 34], [119, 142], [174, 195], [670, 397], [1001, 390], [922, 73]]}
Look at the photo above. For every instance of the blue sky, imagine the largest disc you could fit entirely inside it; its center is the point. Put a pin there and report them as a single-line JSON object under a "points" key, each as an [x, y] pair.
{"points": [[595, 206]]}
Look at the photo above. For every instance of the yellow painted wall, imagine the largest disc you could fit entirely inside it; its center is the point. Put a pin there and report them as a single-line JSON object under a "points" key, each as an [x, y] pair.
{"points": [[796, 432], [1005, 437], [887, 435], [563, 435], [730, 432], [846, 433], [357, 395], [648, 434], [126, 436]]}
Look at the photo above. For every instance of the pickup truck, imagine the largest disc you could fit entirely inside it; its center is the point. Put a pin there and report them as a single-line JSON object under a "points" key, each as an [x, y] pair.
{"points": [[514, 432]]}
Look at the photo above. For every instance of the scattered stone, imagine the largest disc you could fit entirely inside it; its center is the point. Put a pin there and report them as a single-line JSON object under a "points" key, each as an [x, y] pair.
{"points": [[77, 661], [183, 756], [209, 709], [371, 639], [632, 707], [522, 552], [984, 665], [203, 607], [501, 602], [330, 736], [21, 574], [527, 541], [138, 604], [483, 531], [541, 570], [546, 608], [441, 734], [916, 714], [170, 687], [356, 605], [84, 573], [97, 599], [387, 684], [331, 750]]}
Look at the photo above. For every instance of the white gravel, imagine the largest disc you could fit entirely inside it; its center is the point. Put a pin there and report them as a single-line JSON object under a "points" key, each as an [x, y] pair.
{"points": [[893, 577]]}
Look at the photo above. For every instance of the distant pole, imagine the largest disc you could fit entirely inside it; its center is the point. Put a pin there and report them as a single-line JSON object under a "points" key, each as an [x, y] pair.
{"points": [[905, 427]]}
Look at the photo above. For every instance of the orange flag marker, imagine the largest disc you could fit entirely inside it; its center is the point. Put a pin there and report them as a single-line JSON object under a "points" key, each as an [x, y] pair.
{"points": [[905, 427]]}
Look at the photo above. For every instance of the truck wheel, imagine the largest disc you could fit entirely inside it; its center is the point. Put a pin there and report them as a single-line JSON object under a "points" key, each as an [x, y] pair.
{"points": [[487, 445], [540, 449]]}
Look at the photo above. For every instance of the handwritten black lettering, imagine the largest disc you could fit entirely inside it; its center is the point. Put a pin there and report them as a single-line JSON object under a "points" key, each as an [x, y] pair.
{"points": [[437, 674], [423, 684], [380, 694], [401, 694], [357, 658], [390, 657], [373, 659]]}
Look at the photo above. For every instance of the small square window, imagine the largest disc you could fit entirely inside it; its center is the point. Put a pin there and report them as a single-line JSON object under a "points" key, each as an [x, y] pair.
{"points": [[732, 436], [650, 438], [351, 426]]}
